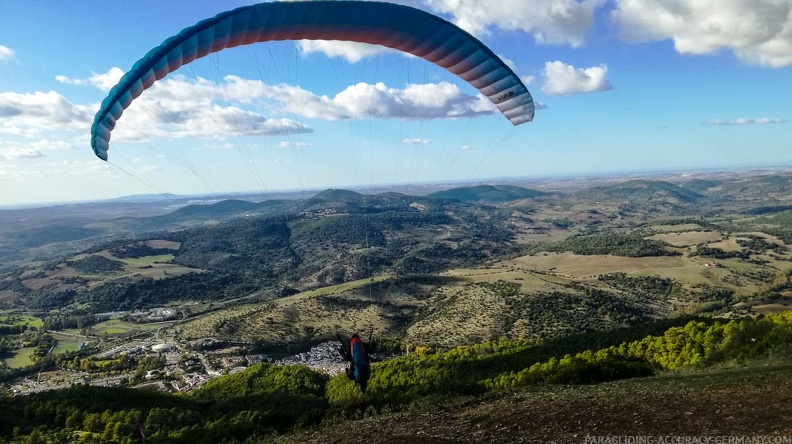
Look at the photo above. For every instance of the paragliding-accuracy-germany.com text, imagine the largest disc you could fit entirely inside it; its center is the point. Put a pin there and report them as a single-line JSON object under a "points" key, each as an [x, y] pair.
{"points": [[625, 439]]}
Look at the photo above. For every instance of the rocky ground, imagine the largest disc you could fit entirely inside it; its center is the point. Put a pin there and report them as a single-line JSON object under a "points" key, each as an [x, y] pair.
{"points": [[751, 402]]}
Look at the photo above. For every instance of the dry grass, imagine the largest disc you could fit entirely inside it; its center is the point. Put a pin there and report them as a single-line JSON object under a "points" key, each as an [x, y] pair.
{"points": [[688, 238], [160, 243], [689, 271], [729, 244], [579, 266], [675, 228], [354, 306], [461, 320], [771, 309]]}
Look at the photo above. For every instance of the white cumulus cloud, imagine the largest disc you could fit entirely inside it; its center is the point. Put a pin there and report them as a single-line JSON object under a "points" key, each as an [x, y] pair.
{"points": [[12, 150], [363, 100], [549, 21], [6, 53], [359, 101], [416, 141], [745, 121], [29, 113], [756, 31], [294, 144], [15, 152], [103, 81], [561, 78], [180, 108], [353, 52]]}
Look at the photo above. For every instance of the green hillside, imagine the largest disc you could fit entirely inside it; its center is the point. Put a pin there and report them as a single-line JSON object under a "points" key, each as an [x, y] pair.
{"points": [[339, 195], [265, 400], [217, 211], [490, 194], [700, 185], [641, 191]]}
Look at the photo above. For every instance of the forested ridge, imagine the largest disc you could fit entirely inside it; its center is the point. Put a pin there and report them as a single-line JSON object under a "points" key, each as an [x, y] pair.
{"points": [[268, 253]]}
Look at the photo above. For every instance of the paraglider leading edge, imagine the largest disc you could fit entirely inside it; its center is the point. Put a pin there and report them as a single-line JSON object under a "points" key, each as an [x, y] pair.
{"points": [[395, 26]]}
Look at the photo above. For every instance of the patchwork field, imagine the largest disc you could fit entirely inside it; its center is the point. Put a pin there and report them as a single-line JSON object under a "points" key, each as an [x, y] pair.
{"points": [[590, 266], [66, 344], [21, 358], [30, 321], [119, 327], [742, 277]]}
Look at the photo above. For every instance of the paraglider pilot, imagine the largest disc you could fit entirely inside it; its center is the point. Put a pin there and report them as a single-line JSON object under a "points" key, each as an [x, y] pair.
{"points": [[357, 354]]}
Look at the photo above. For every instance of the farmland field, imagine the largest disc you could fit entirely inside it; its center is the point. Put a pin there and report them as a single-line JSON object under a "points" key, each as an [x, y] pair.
{"points": [[30, 321], [119, 327], [684, 239], [66, 344], [21, 358]]}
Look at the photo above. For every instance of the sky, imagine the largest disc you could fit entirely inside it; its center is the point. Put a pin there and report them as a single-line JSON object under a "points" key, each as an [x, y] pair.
{"points": [[620, 86]]}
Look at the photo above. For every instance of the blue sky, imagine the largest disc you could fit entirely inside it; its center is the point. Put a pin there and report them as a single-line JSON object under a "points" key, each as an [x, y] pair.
{"points": [[626, 84]]}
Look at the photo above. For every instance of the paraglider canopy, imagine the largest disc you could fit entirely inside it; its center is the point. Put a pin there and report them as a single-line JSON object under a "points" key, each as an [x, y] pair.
{"points": [[395, 26]]}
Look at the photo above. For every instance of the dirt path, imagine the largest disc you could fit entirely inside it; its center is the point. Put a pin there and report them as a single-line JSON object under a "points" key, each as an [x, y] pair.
{"points": [[753, 401]]}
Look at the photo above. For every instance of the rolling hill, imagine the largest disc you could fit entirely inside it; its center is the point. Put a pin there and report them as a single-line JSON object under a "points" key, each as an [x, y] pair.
{"points": [[641, 191], [490, 194]]}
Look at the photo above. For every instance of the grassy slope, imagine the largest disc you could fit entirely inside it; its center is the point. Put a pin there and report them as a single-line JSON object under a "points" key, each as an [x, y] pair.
{"points": [[21, 358], [736, 401]]}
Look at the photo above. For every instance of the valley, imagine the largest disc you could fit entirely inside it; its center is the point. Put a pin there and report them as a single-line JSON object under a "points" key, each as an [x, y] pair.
{"points": [[235, 284]]}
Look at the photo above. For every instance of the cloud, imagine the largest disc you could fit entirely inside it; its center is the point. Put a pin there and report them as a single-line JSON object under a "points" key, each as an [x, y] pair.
{"points": [[19, 152], [212, 122], [10, 150], [561, 78], [221, 146], [509, 62], [416, 141], [105, 81], [27, 114], [468, 148], [359, 101], [744, 121], [42, 170], [527, 80], [549, 21], [294, 144], [756, 31], [179, 108], [425, 101], [142, 167], [6, 53], [353, 52]]}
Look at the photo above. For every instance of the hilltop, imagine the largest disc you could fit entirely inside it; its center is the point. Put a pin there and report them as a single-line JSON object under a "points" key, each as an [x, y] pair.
{"points": [[489, 194], [339, 195]]}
